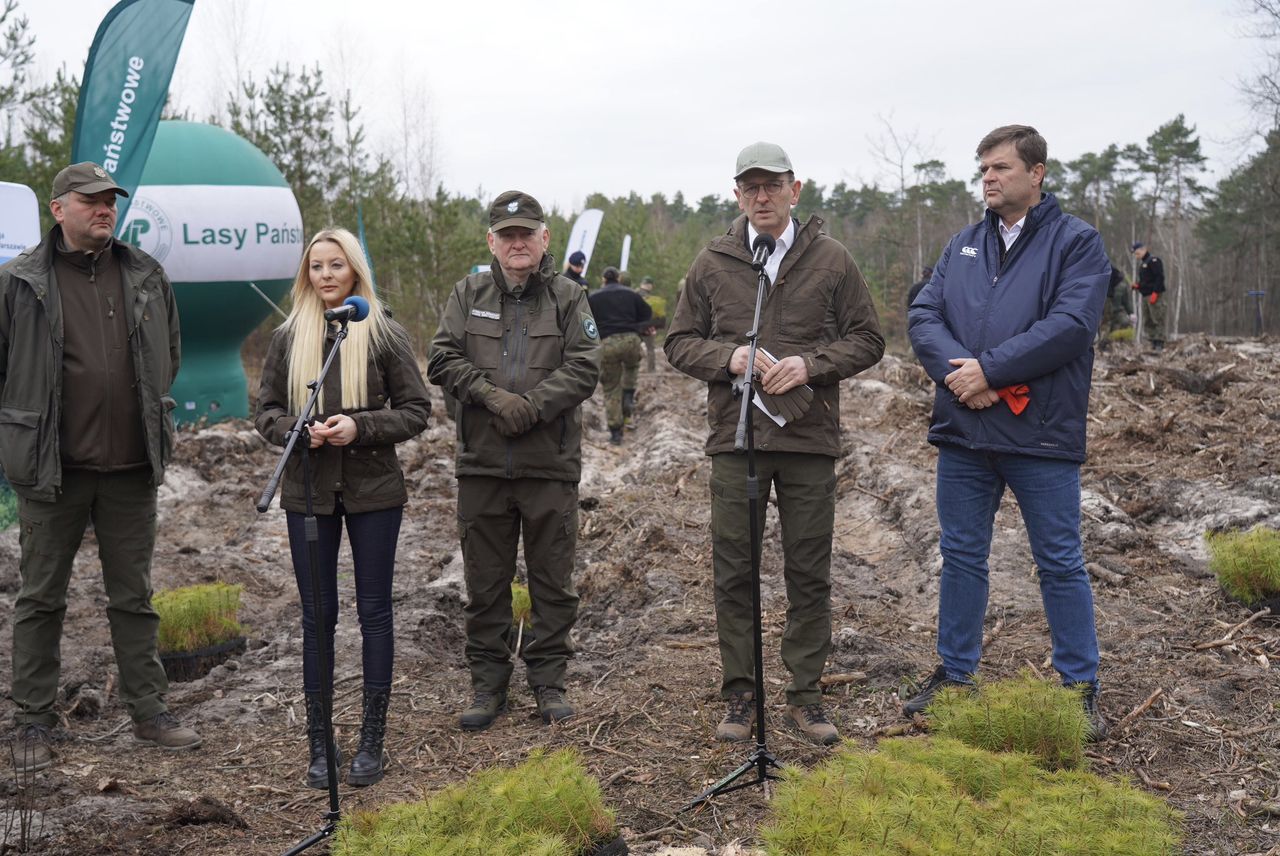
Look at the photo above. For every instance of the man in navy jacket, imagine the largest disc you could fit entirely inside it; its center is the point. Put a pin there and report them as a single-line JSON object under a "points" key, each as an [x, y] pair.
{"points": [[1005, 328]]}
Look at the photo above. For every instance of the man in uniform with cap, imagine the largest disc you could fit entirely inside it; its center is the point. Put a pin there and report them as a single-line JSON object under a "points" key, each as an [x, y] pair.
{"points": [[519, 350], [574, 270], [658, 308], [1150, 285], [818, 326], [88, 351]]}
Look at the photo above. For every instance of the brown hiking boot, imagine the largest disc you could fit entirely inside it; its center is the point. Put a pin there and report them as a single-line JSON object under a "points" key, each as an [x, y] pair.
{"points": [[164, 730], [812, 721], [484, 709], [740, 715], [552, 706], [31, 752]]}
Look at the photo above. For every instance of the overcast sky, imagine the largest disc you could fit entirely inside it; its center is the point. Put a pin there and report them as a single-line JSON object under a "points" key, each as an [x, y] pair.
{"points": [[564, 98]]}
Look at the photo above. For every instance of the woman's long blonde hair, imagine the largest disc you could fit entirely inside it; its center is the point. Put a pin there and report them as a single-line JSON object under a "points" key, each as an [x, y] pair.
{"points": [[306, 327]]}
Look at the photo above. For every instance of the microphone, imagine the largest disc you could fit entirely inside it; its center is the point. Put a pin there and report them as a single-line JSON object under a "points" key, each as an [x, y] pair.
{"points": [[763, 247], [352, 309]]}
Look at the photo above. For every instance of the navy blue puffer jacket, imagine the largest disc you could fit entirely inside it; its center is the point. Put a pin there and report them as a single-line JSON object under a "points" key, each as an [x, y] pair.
{"points": [[1029, 319]]}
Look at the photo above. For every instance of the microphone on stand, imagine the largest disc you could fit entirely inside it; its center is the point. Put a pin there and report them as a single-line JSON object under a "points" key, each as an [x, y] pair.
{"points": [[352, 309], [763, 248]]}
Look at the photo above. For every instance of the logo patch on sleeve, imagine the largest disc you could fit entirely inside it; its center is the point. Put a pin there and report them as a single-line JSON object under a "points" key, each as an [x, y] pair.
{"points": [[589, 327]]}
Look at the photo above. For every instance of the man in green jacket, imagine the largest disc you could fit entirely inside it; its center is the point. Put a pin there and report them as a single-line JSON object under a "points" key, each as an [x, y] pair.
{"points": [[88, 351], [819, 326], [519, 350]]}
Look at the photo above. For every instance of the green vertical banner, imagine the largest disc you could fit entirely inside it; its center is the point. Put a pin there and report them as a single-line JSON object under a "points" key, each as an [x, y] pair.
{"points": [[126, 81]]}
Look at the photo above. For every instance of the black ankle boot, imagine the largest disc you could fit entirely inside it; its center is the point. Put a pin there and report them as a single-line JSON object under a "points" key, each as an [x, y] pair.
{"points": [[366, 766], [628, 402], [318, 768]]}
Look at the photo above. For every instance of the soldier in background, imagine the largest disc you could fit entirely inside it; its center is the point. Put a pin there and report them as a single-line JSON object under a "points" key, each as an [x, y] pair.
{"points": [[1150, 285], [658, 308], [621, 314]]}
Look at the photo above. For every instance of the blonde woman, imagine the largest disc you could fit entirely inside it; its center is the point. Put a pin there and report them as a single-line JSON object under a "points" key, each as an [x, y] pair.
{"points": [[372, 398]]}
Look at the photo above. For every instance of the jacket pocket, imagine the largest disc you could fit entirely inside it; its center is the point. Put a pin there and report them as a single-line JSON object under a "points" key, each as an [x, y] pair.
{"points": [[484, 342], [546, 345], [20, 444]]}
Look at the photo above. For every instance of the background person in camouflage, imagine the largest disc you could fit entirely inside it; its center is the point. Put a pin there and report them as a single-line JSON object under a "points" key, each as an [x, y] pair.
{"points": [[621, 314], [1150, 285], [658, 306], [519, 351]]}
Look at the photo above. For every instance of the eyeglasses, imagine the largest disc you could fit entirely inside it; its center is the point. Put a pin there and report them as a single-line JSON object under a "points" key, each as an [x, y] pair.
{"points": [[773, 188]]}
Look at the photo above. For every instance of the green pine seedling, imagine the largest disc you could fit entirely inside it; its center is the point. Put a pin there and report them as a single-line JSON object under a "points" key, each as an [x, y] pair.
{"points": [[1247, 564], [199, 616], [1026, 714], [547, 806], [937, 795]]}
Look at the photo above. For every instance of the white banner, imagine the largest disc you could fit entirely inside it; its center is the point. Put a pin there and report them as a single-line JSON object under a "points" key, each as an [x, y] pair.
{"points": [[218, 233], [583, 235], [19, 219]]}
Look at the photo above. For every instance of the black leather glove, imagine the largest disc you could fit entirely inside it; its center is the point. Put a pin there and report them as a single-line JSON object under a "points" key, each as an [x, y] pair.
{"points": [[515, 413], [790, 405]]}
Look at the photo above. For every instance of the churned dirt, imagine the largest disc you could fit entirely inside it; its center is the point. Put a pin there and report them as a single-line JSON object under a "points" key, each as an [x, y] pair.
{"points": [[1179, 443]]}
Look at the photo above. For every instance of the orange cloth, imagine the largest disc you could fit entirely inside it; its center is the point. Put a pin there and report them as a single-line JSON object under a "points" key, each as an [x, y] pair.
{"points": [[1016, 396], [1152, 298]]}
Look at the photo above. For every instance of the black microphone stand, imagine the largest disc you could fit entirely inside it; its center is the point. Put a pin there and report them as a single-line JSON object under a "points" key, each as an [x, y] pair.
{"points": [[761, 761], [300, 438]]}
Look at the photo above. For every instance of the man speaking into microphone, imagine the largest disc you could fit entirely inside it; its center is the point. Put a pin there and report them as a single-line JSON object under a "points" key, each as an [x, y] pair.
{"points": [[818, 326]]}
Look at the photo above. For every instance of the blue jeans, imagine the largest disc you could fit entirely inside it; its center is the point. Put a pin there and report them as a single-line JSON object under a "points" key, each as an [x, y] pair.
{"points": [[373, 536], [970, 485]]}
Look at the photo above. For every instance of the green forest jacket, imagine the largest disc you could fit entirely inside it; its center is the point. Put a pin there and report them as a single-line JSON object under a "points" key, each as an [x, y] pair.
{"points": [[31, 337], [542, 344], [819, 308], [367, 472]]}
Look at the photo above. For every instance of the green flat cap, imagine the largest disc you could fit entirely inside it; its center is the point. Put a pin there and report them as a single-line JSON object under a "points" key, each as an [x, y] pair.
{"points": [[515, 208], [87, 178]]}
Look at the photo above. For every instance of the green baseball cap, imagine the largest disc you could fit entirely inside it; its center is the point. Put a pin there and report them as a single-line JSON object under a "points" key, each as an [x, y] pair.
{"points": [[515, 208], [766, 156], [87, 178]]}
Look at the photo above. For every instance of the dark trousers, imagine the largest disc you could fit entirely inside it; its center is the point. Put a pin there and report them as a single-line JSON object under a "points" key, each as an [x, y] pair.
{"points": [[805, 488], [373, 536], [122, 506], [492, 513]]}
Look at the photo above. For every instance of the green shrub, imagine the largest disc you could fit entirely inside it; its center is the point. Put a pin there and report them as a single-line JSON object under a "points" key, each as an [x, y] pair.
{"points": [[1027, 714], [547, 806], [195, 617], [1247, 564], [521, 604], [8, 505], [1121, 334], [940, 796]]}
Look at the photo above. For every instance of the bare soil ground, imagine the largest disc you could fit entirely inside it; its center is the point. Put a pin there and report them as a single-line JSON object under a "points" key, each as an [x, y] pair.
{"points": [[1179, 444]]}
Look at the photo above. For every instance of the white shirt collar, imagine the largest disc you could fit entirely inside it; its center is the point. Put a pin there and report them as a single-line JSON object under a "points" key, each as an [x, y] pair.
{"points": [[780, 249], [1010, 233]]}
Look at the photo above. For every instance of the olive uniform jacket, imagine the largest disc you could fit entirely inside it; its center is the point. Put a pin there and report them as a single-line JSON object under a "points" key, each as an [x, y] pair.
{"points": [[541, 342], [818, 308], [31, 339], [366, 473]]}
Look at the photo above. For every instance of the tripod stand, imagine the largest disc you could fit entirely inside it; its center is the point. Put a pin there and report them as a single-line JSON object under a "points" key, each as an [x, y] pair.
{"points": [[760, 761], [299, 438]]}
